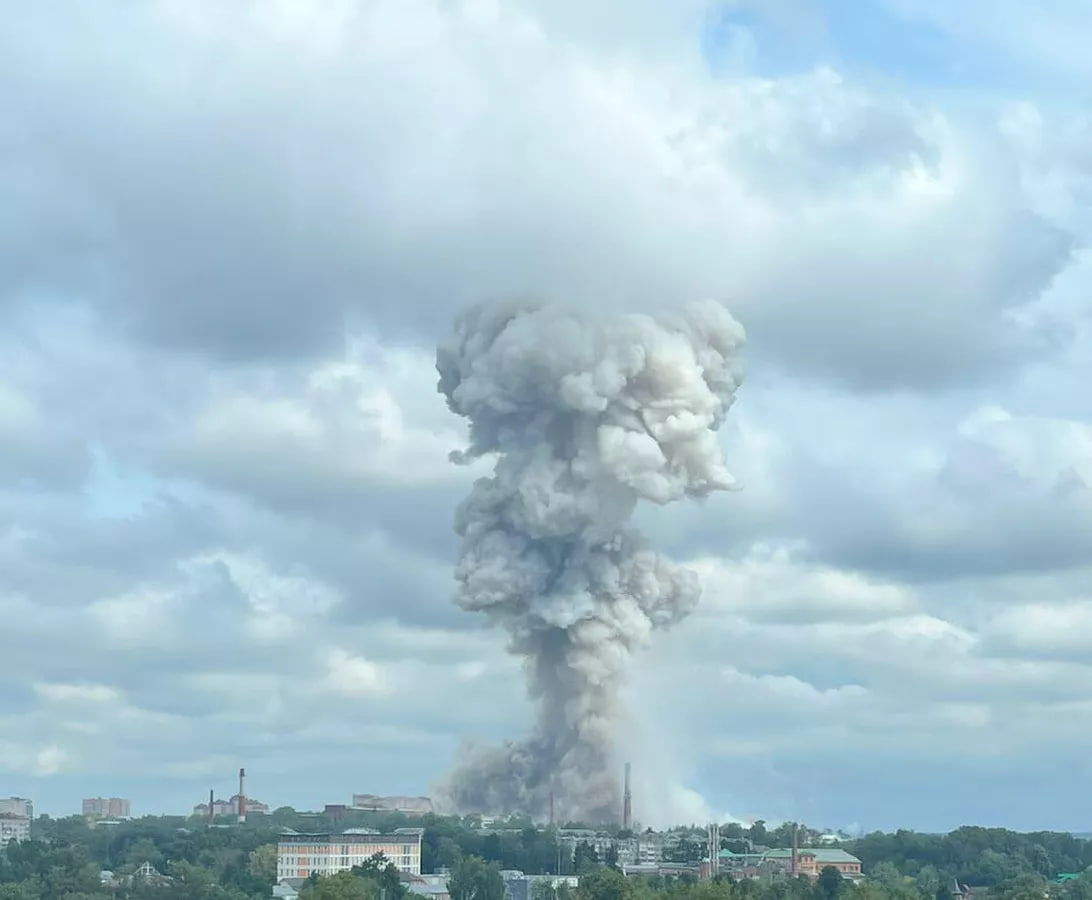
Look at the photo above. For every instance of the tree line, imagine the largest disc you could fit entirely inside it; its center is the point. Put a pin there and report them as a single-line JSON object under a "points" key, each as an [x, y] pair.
{"points": [[65, 859]]}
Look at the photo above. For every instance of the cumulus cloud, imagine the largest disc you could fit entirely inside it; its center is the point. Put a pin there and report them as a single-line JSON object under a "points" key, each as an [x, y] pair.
{"points": [[225, 501], [313, 206], [771, 583]]}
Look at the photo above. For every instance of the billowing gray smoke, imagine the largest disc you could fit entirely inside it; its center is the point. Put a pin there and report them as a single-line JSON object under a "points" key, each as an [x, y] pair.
{"points": [[585, 414]]}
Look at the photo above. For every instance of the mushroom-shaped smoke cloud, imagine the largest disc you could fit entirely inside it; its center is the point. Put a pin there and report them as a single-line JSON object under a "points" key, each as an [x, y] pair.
{"points": [[585, 414]]}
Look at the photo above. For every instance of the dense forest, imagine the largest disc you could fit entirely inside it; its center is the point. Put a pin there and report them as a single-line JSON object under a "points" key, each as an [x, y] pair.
{"points": [[186, 859]]}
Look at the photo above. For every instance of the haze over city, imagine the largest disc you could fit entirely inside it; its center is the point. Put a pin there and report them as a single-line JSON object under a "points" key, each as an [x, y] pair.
{"points": [[234, 236]]}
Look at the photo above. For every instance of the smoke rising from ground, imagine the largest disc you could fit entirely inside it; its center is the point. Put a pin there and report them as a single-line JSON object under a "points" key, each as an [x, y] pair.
{"points": [[586, 414]]}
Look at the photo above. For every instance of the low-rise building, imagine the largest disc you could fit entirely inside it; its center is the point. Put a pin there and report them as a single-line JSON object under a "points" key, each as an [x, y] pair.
{"points": [[298, 855], [429, 890], [417, 806], [811, 862], [230, 807]]}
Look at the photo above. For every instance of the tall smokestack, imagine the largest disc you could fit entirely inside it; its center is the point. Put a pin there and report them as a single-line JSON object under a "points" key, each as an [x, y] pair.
{"points": [[795, 852], [212, 808], [583, 415], [627, 803], [242, 796], [551, 809], [714, 850]]}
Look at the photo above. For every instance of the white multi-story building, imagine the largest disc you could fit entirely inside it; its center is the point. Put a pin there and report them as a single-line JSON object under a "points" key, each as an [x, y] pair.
{"points": [[16, 814], [298, 855], [13, 828], [17, 806]]}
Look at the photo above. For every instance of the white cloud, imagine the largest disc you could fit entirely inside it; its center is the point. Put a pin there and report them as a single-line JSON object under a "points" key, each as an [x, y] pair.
{"points": [[246, 346], [1045, 628], [690, 187], [77, 693], [138, 618], [342, 421], [354, 676], [50, 760], [772, 582]]}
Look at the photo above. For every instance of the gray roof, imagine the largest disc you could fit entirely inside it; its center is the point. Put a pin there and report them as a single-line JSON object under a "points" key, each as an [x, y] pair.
{"points": [[429, 890]]}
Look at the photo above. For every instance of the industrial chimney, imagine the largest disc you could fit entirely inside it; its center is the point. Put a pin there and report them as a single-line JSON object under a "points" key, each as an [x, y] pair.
{"points": [[627, 800], [212, 807], [795, 852], [242, 796]]}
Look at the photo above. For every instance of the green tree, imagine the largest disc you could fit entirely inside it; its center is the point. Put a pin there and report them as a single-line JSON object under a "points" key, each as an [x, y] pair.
{"points": [[1027, 886], [342, 886], [472, 878], [927, 881], [584, 858], [142, 851], [610, 858], [829, 884], [886, 874], [604, 884], [262, 863], [1078, 888], [384, 875]]}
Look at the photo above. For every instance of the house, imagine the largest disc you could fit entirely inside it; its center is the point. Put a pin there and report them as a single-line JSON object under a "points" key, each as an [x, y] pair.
{"points": [[429, 891], [288, 888], [149, 874], [811, 861]]}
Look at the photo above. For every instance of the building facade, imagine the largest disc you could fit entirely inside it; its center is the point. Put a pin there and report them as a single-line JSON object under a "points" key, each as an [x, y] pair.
{"points": [[298, 855], [103, 808], [230, 807], [811, 862], [518, 886], [16, 814], [417, 806], [17, 806]]}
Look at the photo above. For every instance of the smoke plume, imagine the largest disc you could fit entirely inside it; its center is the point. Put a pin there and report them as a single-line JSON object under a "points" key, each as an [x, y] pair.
{"points": [[585, 415]]}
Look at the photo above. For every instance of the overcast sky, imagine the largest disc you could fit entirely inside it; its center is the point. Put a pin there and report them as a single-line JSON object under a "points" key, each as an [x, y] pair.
{"points": [[232, 233]]}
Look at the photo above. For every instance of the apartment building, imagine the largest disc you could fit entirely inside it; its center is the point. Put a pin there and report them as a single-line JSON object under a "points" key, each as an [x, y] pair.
{"points": [[103, 808], [17, 806], [16, 814], [298, 855]]}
